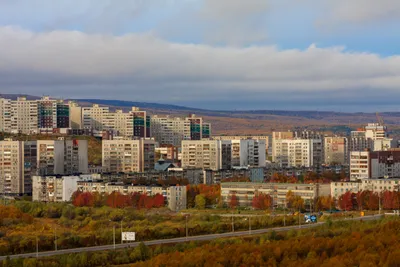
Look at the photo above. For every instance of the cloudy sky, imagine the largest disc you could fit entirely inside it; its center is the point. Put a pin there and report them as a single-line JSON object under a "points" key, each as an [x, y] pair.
{"points": [[340, 55]]}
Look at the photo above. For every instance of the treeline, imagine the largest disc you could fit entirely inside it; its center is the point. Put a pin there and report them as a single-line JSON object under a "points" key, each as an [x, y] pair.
{"points": [[368, 200], [117, 200]]}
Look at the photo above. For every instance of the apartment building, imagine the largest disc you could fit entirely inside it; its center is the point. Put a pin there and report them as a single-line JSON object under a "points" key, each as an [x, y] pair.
{"points": [[335, 150], [373, 137], [94, 117], [170, 131], [75, 116], [375, 185], [52, 114], [289, 153], [244, 137], [17, 165], [24, 116], [196, 124], [245, 192], [248, 152], [384, 164], [54, 188], [206, 154], [62, 156], [121, 155], [5, 115], [175, 196], [359, 165], [206, 130]]}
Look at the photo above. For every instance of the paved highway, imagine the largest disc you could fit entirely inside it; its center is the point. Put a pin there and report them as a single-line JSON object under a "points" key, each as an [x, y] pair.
{"points": [[178, 240]]}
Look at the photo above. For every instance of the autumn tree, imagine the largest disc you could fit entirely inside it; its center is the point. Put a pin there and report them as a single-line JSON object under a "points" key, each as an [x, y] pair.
{"points": [[262, 201], [346, 201], [234, 202], [159, 201], [200, 202]]}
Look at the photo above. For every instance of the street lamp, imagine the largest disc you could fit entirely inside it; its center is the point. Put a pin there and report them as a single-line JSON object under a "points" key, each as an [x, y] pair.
{"points": [[233, 225], [186, 219], [122, 241]]}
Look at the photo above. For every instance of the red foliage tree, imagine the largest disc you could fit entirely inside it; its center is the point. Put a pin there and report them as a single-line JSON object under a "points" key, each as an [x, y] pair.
{"points": [[159, 201], [233, 203], [262, 201], [83, 199], [346, 201]]}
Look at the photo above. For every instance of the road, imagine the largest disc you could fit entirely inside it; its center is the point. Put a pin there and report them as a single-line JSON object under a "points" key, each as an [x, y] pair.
{"points": [[178, 240]]}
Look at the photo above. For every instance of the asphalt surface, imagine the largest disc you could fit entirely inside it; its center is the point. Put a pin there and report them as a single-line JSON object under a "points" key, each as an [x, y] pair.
{"points": [[178, 240]]}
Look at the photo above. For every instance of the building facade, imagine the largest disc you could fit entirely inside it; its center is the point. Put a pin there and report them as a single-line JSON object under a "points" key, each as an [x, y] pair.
{"points": [[359, 165], [206, 154], [245, 192], [289, 153], [170, 131], [54, 188], [335, 150]]}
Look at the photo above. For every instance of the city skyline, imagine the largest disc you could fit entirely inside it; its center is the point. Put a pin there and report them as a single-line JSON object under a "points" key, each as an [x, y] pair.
{"points": [[244, 55]]}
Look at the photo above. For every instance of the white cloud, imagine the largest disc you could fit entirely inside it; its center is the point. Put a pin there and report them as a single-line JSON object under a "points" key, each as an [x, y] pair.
{"points": [[144, 67]]}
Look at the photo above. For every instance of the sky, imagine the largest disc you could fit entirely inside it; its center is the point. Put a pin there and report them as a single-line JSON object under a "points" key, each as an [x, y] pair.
{"points": [[336, 55]]}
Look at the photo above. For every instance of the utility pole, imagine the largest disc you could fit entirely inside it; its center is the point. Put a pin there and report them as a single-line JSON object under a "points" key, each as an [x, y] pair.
{"points": [[233, 226], [37, 247], [249, 225], [114, 235], [379, 203], [55, 239], [186, 226], [121, 233], [284, 216], [299, 218]]}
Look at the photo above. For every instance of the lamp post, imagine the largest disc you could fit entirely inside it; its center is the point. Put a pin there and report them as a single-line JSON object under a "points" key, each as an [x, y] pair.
{"points": [[249, 225], [122, 241], [299, 218], [114, 235], [186, 218], [55, 239], [233, 225]]}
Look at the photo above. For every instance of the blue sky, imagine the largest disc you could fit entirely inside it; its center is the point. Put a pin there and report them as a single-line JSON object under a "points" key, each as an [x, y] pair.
{"points": [[233, 54]]}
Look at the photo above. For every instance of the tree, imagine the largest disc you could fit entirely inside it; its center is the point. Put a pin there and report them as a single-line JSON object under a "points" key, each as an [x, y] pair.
{"points": [[346, 201], [200, 202], [233, 203], [262, 201], [159, 201]]}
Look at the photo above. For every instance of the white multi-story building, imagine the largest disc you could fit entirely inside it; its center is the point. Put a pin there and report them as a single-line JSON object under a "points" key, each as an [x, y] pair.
{"points": [[206, 154], [170, 131], [126, 156], [24, 116], [94, 117], [244, 137], [248, 152], [54, 188], [373, 137], [62, 156], [293, 152], [359, 165], [335, 150]]}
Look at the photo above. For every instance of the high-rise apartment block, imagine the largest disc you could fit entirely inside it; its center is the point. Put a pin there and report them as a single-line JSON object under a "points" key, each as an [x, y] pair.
{"points": [[33, 116], [359, 165], [244, 137], [293, 152], [248, 153], [54, 188], [372, 137], [206, 130], [206, 154], [62, 156], [128, 155], [170, 131], [335, 150], [17, 165]]}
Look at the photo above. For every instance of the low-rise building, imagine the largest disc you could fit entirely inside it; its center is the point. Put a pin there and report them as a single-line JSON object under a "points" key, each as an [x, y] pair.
{"points": [[245, 192], [374, 185], [54, 188]]}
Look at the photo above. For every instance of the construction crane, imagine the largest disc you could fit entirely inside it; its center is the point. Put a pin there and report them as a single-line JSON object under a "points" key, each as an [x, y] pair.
{"points": [[380, 119]]}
